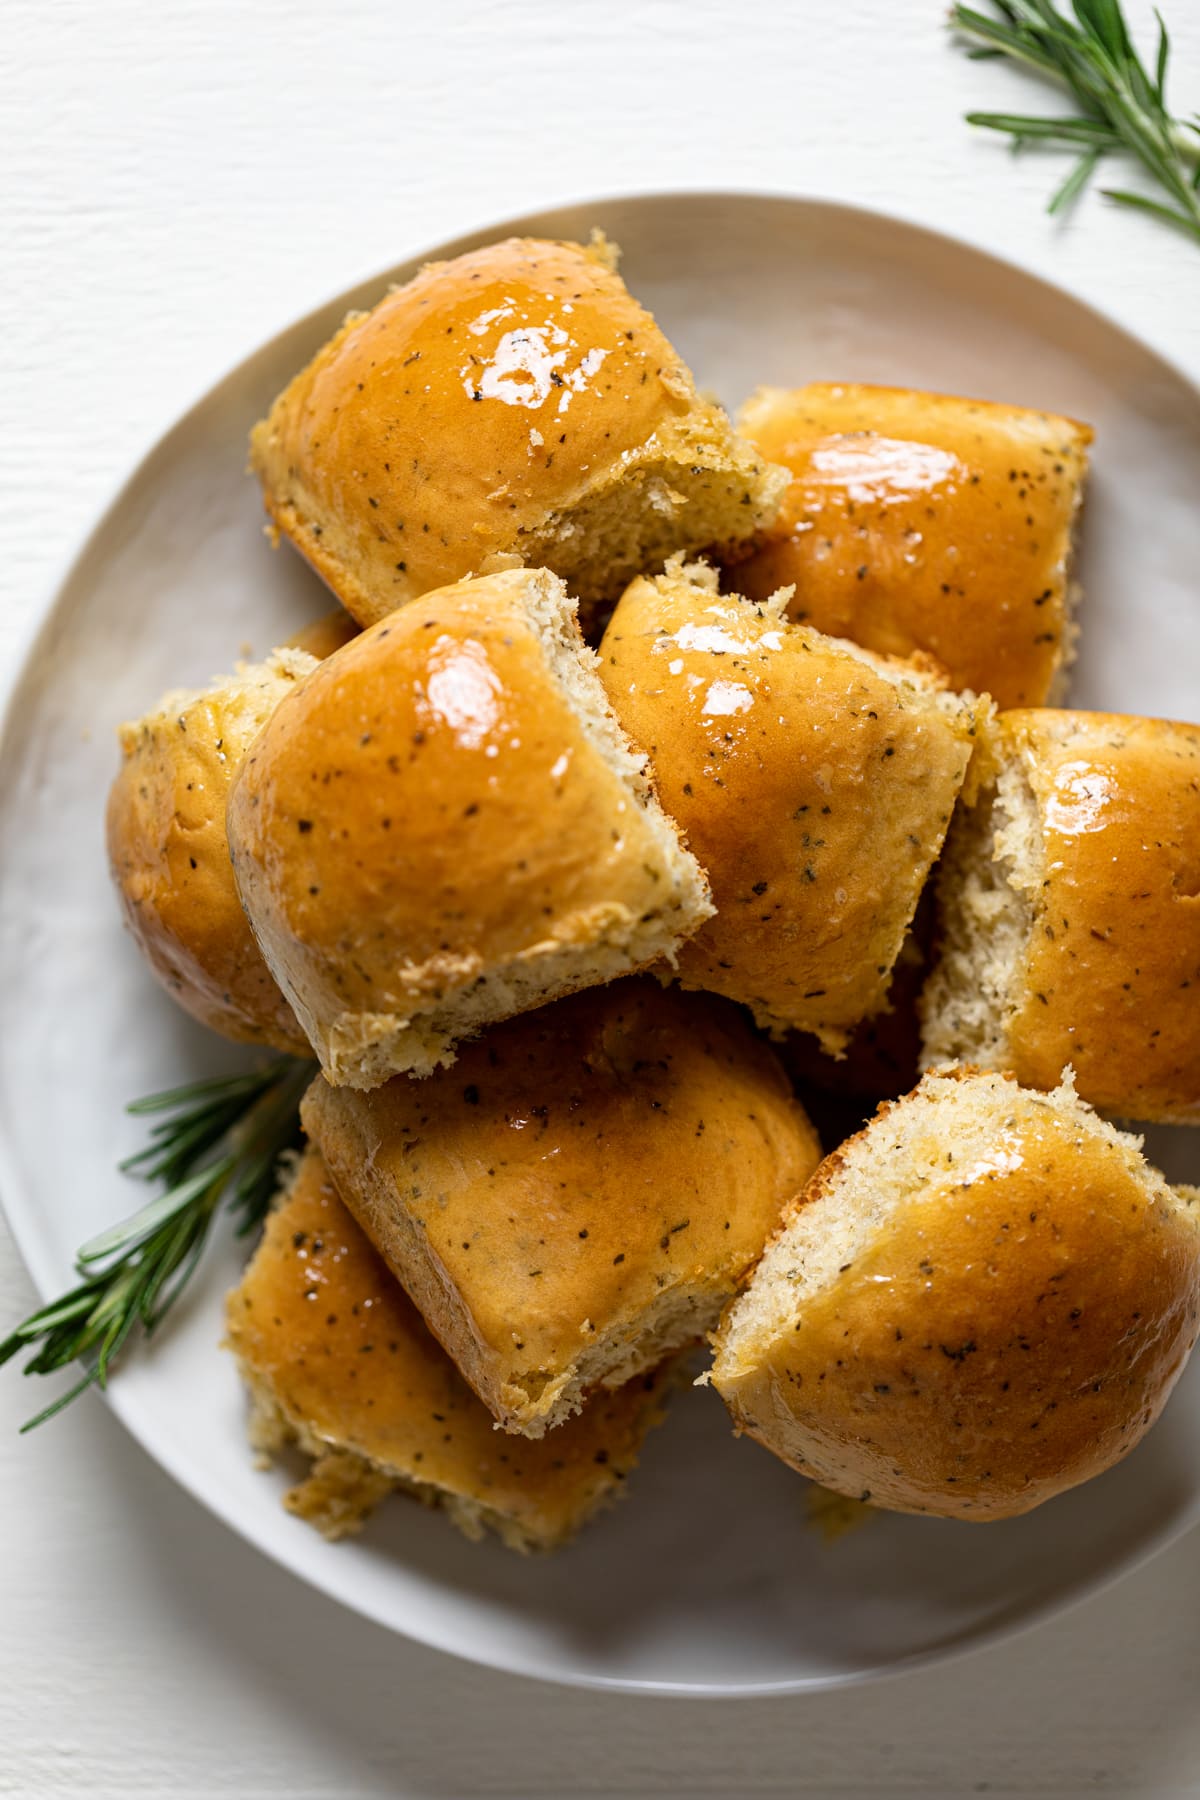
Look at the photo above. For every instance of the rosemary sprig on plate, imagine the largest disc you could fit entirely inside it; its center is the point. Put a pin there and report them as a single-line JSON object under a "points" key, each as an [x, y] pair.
{"points": [[1122, 105], [214, 1141]]}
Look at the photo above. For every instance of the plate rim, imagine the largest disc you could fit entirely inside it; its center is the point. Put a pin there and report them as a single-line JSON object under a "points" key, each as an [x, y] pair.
{"points": [[16, 1205]]}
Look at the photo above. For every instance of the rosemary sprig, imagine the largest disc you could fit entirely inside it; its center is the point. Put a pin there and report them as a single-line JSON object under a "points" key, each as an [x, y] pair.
{"points": [[1122, 104], [215, 1141]]}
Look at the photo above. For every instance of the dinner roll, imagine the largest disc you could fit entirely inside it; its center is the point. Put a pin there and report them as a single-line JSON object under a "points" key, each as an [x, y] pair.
{"points": [[1070, 914], [338, 1361], [980, 1301], [326, 634], [925, 522], [813, 780], [170, 858], [515, 401], [447, 827], [580, 1195]]}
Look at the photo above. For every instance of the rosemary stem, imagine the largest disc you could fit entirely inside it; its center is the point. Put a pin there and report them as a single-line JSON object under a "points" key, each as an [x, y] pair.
{"points": [[1121, 102], [214, 1144]]}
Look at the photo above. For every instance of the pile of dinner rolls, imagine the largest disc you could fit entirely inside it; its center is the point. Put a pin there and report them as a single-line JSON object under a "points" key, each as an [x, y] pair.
{"points": [[656, 784]]}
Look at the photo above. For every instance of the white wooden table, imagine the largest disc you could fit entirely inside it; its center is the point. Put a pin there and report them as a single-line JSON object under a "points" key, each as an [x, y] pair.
{"points": [[179, 180]]}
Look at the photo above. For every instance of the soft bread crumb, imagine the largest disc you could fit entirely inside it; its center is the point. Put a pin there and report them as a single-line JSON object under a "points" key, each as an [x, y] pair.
{"points": [[993, 869], [547, 1265], [684, 1316], [695, 482], [343, 1489], [1072, 601], [1068, 648], [531, 1400], [603, 249], [943, 1125], [982, 1300], [248, 697], [340, 1492], [582, 950], [1068, 918], [800, 801], [402, 1421], [648, 465]]}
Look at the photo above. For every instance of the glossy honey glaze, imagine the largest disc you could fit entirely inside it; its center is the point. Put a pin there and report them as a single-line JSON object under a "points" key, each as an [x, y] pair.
{"points": [[470, 404], [434, 806], [814, 788], [320, 1319], [574, 1168], [925, 522], [1111, 982], [1011, 1327]]}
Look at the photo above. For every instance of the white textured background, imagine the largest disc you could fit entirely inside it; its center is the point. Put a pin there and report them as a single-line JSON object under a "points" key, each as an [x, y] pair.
{"points": [[179, 180]]}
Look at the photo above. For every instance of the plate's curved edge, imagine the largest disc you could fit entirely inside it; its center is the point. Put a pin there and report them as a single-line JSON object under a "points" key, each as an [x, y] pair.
{"points": [[28, 641], [45, 1277], [523, 224], [1023, 1619]]}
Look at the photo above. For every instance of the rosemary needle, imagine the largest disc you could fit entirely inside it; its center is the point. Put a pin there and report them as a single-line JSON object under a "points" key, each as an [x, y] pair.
{"points": [[214, 1142], [1122, 104]]}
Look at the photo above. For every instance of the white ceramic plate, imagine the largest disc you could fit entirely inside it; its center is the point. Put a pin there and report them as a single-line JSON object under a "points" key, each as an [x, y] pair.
{"points": [[709, 1578]]}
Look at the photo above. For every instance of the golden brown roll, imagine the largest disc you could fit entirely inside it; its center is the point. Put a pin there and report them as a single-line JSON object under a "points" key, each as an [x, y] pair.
{"points": [[326, 634], [515, 401], [168, 850], [337, 1360], [1070, 914], [813, 780], [924, 522], [170, 857], [983, 1299], [447, 827], [580, 1195]]}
